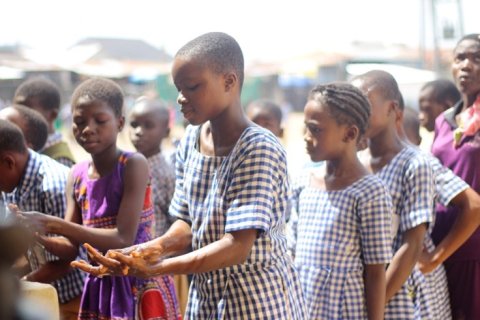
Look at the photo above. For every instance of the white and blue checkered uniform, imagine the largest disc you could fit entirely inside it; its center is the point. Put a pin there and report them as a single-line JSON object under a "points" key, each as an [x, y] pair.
{"points": [[245, 190], [332, 236], [42, 189], [410, 179], [447, 186]]}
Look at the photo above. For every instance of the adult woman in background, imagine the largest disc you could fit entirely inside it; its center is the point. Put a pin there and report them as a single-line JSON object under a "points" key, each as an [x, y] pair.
{"points": [[457, 146]]}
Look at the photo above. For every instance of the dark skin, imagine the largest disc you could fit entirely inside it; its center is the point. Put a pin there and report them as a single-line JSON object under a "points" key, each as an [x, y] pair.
{"points": [[13, 166], [467, 222], [335, 143], [384, 145], [213, 100], [95, 128], [148, 127], [35, 103], [466, 70]]}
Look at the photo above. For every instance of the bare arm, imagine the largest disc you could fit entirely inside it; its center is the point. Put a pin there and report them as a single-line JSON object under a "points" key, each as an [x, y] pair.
{"points": [[405, 259], [50, 271], [467, 221], [375, 284], [234, 248], [176, 240], [128, 217]]}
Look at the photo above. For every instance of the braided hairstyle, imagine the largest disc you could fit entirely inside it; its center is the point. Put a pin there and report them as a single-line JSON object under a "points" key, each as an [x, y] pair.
{"points": [[346, 103]]}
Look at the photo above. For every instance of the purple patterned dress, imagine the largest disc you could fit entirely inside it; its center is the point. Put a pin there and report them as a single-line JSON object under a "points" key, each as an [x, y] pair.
{"points": [[119, 297], [463, 267]]}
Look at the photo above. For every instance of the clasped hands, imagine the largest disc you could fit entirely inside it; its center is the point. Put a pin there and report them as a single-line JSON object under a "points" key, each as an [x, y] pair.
{"points": [[137, 260]]}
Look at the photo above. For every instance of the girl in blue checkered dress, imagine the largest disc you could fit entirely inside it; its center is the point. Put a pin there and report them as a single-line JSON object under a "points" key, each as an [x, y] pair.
{"points": [[339, 232], [408, 175], [230, 199]]}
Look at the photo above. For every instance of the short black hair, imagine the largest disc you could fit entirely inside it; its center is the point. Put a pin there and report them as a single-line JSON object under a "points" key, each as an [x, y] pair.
{"points": [[37, 127], [100, 89], [411, 122], [471, 36], [443, 91], [269, 106], [41, 88], [11, 138], [153, 104], [346, 103], [385, 83], [219, 52]]}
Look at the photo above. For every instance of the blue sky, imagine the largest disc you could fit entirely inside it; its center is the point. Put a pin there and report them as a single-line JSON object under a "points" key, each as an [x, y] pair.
{"points": [[266, 29]]}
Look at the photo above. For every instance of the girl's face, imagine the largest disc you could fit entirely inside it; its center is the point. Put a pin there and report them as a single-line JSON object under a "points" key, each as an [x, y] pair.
{"points": [[95, 125], [147, 130], [325, 138], [466, 67], [202, 94]]}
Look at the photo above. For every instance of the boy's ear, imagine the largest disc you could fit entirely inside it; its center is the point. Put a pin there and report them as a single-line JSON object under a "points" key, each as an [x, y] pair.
{"points": [[230, 80], [8, 160]]}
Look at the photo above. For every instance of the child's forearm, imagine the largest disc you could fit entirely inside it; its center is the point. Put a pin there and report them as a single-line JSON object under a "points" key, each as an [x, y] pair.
{"points": [[100, 238], [177, 240], [49, 272], [404, 259], [375, 287], [60, 246], [232, 249]]}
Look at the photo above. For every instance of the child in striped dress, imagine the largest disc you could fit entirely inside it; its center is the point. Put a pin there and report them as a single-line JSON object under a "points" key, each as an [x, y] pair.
{"points": [[230, 197], [339, 232], [408, 174]]}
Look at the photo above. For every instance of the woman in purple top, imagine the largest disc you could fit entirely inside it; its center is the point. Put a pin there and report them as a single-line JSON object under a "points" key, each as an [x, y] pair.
{"points": [[463, 158]]}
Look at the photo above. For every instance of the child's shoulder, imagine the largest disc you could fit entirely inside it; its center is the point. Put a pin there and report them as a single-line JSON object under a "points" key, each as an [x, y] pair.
{"points": [[414, 159], [369, 187], [256, 137]]}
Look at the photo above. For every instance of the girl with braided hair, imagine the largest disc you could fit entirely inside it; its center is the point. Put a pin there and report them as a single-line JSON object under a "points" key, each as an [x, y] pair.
{"points": [[340, 226]]}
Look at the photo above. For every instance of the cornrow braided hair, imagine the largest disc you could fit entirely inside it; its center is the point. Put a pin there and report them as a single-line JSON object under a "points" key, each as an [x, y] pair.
{"points": [[346, 103]]}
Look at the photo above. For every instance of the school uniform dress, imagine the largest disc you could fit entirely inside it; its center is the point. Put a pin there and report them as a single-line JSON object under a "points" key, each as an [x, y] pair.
{"points": [[245, 190], [463, 266], [410, 179], [163, 185], [332, 235], [117, 297], [42, 188]]}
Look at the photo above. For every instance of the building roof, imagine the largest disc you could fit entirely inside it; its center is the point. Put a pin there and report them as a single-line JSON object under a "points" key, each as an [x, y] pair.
{"points": [[125, 50]]}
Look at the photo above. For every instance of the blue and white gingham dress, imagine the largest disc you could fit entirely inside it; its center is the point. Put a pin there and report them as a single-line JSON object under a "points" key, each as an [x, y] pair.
{"points": [[245, 190], [332, 235], [410, 179]]}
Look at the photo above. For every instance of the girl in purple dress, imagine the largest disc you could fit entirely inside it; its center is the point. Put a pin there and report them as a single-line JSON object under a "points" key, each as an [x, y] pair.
{"points": [[461, 153], [109, 206]]}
